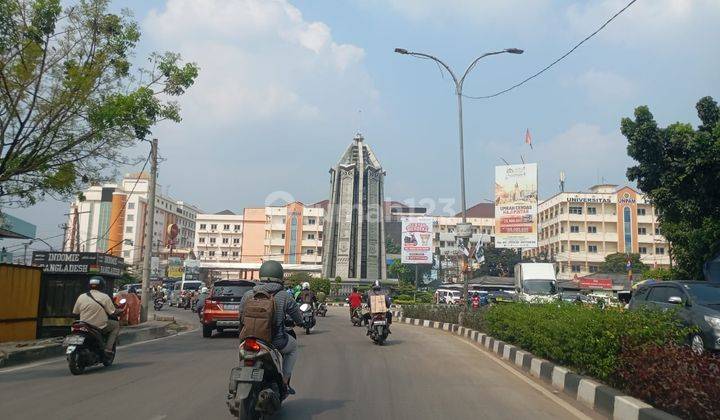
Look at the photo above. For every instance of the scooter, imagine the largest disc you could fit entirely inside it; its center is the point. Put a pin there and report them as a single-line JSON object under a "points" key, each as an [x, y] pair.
{"points": [[158, 303], [357, 317], [256, 388], [308, 317], [85, 346], [377, 328], [321, 310]]}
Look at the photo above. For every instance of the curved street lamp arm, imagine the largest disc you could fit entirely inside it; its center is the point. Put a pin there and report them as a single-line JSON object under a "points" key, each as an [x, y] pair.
{"points": [[423, 55], [472, 65]]}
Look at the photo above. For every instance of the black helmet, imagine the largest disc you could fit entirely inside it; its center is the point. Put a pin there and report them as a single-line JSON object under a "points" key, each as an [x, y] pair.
{"points": [[271, 271]]}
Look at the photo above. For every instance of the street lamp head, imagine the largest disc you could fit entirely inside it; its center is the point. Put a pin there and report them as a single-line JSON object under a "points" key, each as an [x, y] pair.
{"points": [[401, 51], [514, 50]]}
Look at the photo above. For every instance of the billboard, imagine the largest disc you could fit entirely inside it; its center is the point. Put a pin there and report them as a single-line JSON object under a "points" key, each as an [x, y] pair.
{"points": [[154, 268], [516, 206], [79, 263], [417, 240], [175, 268]]}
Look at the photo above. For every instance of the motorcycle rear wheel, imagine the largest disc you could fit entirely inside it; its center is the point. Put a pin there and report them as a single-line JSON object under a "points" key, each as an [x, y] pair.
{"points": [[75, 364], [247, 411]]}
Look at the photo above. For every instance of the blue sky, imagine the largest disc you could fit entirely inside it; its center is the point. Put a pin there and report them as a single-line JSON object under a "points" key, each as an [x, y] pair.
{"points": [[282, 82]]}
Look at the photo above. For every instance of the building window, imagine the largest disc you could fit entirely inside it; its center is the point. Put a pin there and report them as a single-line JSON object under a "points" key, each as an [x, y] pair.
{"points": [[202, 226], [574, 248], [223, 254], [310, 252], [311, 221], [627, 228], [592, 210], [212, 240], [282, 236], [213, 227], [592, 248], [130, 217], [282, 251], [129, 229], [236, 240], [660, 250], [226, 227], [642, 231], [574, 229], [562, 248], [235, 253], [311, 236], [575, 268], [237, 227], [130, 206], [225, 240], [126, 254], [657, 231], [642, 250], [201, 253], [641, 212], [201, 240], [594, 268], [575, 210], [592, 229], [211, 253], [319, 236]]}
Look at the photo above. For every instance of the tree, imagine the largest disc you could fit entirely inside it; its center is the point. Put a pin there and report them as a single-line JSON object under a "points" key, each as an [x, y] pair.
{"points": [[70, 102], [320, 285], [499, 262], [391, 247], [617, 263], [298, 278], [679, 170], [402, 272], [659, 274]]}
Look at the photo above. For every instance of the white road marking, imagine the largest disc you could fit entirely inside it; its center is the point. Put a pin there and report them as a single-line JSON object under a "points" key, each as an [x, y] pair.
{"points": [[62, 358], [559, 401]]}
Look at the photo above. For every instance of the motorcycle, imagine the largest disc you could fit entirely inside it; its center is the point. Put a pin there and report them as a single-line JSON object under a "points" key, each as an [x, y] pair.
{"points": [[256, 389], [321, 310], [308, 316], [85, 346], [378, 328], [357, 317], [158, 303]]}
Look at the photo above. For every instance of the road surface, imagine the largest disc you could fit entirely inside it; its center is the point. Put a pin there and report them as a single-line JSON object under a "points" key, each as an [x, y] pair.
{"points": [[419, 374]]}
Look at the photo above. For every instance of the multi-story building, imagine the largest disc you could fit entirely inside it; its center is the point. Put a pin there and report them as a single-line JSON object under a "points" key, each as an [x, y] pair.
{"points": [[294, 233], [111, 218], [482, 218], [218, 237], [578, 230]]}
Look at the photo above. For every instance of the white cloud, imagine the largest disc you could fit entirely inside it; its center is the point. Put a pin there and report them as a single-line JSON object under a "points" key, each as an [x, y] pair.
{"points": [[478, 11], [259, 59], [606, 86]]}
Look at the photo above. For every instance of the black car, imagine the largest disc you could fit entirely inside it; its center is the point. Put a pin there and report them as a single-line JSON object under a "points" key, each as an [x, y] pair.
{"points": [[698, 303]]}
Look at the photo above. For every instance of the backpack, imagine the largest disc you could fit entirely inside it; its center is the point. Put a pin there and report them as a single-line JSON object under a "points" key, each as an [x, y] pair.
{"points": [[258, 317]]}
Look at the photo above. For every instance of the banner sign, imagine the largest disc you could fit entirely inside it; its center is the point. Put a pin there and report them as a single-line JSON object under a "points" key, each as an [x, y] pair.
{"points": [[191, 270], [175, 268], [154, 268], [417, 240], [79, 262], [516, 206], [606, 284]]}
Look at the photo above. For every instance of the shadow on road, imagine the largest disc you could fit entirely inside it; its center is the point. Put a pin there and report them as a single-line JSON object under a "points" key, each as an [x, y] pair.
{"points": [[308, 408]]}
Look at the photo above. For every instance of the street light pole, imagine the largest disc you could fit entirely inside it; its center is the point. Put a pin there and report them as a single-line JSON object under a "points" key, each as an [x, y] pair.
{"points": [[464, 231]]}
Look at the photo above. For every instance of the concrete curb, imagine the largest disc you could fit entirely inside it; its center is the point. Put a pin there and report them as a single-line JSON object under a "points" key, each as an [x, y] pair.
{"points": [[128, 335], [601, 398]]}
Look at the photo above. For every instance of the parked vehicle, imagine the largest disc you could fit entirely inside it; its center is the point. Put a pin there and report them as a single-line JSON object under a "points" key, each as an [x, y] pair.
{"points": [[180, 289], [85, 346], [308, 317], [536, 282], [378, 328], [447, 296], [697, 303], [321, 310], [256, 387], [220, 309]]}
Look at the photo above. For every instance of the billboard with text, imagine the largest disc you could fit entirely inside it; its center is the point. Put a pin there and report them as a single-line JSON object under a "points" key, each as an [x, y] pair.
{"points": [[516, 206], [417, 240]]}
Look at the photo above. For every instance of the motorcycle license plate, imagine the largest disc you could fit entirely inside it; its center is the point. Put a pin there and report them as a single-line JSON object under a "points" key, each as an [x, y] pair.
{"points": [[74, 340], [246, 374], [231, 307], [379, 322]]}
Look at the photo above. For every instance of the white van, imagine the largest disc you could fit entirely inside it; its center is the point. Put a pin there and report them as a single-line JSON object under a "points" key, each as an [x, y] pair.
{"points": [[447, 296], [536, 282]]}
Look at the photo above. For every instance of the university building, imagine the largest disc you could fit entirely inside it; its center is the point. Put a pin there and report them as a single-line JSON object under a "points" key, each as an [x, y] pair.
{"points": [[578, 230]]}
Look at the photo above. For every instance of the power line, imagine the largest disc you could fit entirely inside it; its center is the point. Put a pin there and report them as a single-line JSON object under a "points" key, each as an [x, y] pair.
{"points": [[556, 61], [14, 247]]}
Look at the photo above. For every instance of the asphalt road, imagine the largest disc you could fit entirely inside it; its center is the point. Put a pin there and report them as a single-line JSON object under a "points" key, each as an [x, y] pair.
{"points": [[418, 374]]}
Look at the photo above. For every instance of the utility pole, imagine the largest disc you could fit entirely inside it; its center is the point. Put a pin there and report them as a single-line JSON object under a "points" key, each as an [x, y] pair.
{"points": [[64, 228], [149, 229], [26, 245]]}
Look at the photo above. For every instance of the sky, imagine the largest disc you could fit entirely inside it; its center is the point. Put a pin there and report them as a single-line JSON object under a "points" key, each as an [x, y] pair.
{"points": [[284, 85]]}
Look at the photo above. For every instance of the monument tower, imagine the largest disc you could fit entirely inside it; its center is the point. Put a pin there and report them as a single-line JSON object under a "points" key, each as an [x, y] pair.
{"points": [[354, 238]]}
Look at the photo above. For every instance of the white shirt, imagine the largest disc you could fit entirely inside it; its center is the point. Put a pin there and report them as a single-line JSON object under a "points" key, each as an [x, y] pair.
{"points": [[92, 313]]}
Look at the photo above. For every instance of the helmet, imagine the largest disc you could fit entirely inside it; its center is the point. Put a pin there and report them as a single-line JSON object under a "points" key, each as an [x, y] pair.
{"points": [[204, 290], [96, 281], [376, 285], [271, 271], [305, 285]]}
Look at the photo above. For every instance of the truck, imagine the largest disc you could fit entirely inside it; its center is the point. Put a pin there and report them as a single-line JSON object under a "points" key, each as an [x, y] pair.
{"points": [[536, 282]]}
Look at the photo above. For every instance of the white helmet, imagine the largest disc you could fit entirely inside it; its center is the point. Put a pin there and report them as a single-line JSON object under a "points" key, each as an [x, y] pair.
{"points": [[306, 286], [204, 289]]}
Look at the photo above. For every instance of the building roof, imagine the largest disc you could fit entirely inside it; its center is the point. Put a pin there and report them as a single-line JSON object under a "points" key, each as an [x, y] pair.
{"points": [[225, 212], [480, 210]]}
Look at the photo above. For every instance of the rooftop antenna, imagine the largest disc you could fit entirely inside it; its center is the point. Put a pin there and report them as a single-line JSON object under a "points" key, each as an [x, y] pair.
{"points": [[562, 181], [522, 159]]}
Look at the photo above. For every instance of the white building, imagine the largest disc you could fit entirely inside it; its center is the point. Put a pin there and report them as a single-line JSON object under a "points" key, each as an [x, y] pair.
{"points": [[218, 237], [579, 230], [481, 217], [294, 234], [111, 218]]}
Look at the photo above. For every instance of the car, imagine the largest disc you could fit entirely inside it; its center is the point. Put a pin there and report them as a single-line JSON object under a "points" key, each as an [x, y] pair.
{"points": [[182, 287], [220, 309], [698, 304]]}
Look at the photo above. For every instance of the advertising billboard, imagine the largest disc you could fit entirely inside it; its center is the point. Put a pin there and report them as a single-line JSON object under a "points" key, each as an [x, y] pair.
{"points": [[175, 268], [516, 206], [417, 240], [154, 268]]}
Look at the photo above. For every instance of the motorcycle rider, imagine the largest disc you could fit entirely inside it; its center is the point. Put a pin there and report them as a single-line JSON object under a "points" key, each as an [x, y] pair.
{"points": [[355, 301], [94, 307], [204, 293], [376, 290], [308, 296], [271, 278]]}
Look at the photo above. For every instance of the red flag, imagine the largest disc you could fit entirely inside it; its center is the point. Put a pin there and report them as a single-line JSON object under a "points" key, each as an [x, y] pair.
{"points": [[528, 138]]}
